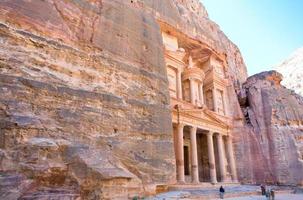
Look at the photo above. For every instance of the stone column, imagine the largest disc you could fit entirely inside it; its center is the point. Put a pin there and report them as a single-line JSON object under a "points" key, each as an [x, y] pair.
{"points": [[215, 99], [194, 155], [192, 91], [211, 158], [180, 154], [231, 159], [201, 93], [179, 84], [221, 155]]}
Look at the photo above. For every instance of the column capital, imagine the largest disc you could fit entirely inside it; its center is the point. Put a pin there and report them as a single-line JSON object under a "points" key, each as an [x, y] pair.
{"points": [[193, 128], [181, 125], [210, 133]]}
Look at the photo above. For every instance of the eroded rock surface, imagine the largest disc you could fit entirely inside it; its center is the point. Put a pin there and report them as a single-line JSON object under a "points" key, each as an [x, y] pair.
{"points": [[270, 144], [84, 97], [84, 104]]}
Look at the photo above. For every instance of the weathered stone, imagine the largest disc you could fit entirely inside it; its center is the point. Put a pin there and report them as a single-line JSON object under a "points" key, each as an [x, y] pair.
{"points": [[85, 101], [271, 140], [13, 186]]}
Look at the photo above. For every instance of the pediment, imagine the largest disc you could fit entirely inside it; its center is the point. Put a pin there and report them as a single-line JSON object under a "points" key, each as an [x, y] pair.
{"points": [[206, 115]]}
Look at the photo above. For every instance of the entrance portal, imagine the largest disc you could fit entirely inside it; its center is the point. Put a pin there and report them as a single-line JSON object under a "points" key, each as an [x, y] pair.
{"points": [[186, 161], [203, 161]]}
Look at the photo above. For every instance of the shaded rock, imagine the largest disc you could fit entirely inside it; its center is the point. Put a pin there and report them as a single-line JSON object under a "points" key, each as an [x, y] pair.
{"points": [[43, 143], [12, 186], [97, 164], [272, 136], [52, 193], [84, 101]]}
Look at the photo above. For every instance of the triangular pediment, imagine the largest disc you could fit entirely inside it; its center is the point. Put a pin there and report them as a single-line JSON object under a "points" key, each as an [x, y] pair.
{"points": [[206, 115]]}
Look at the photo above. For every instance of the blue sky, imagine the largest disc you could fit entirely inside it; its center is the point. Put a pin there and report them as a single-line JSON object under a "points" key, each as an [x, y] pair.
{"points": [[266, 31]]}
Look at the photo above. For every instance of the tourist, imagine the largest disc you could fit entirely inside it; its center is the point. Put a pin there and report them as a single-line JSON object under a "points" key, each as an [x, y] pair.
{"points": [[222, 192], [267, 194], [272, 194], [263, 189]]}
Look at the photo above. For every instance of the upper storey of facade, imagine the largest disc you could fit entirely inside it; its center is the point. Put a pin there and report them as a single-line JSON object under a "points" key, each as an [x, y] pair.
{"points": [[196, 75]]}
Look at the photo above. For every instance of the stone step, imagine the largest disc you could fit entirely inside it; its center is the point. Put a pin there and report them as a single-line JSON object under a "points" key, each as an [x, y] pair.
{"points": [[199, 186]]}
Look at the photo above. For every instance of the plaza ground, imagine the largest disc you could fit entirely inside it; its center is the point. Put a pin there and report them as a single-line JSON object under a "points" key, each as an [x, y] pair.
{"points": [[232, 192], [278, 197]]}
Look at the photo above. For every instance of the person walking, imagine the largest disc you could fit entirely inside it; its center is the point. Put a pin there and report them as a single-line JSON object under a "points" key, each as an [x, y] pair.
{"points": [[272, 194], [222, 191], [267, 194], [263, 190]]}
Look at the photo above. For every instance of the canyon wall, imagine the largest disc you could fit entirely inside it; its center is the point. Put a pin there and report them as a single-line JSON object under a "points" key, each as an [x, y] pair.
{"points": [[269, 145], [84, 104]]}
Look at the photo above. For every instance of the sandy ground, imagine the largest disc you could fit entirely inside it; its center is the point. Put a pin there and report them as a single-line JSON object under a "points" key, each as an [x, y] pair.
{"points": [[278, 197]]}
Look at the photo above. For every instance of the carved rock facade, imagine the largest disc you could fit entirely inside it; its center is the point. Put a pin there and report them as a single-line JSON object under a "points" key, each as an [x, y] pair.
{"points": [[88, 108]]}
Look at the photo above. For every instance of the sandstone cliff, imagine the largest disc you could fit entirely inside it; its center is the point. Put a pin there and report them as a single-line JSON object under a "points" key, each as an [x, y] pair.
{"points": [[292, 71], [84, 105], [270, 145]]}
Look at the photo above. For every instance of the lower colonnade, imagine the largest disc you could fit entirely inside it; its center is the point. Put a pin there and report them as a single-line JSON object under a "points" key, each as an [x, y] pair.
{"points": [[203, 155]]}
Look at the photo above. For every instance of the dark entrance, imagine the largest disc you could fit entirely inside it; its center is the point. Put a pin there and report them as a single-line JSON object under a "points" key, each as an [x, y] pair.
{"points": [[186, 160]]}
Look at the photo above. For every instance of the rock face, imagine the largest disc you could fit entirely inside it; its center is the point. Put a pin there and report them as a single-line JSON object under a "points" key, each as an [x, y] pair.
{"points": [[292, 71], [270, 144], [84, 104]]}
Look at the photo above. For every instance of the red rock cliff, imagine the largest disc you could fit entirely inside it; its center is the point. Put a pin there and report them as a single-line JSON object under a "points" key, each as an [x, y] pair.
{"points": [[84, 105], [269, 146]]}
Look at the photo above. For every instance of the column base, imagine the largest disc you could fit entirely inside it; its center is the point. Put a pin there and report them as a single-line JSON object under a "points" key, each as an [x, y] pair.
{"points": [[181, 182], [195, 182], [224, 181]]}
